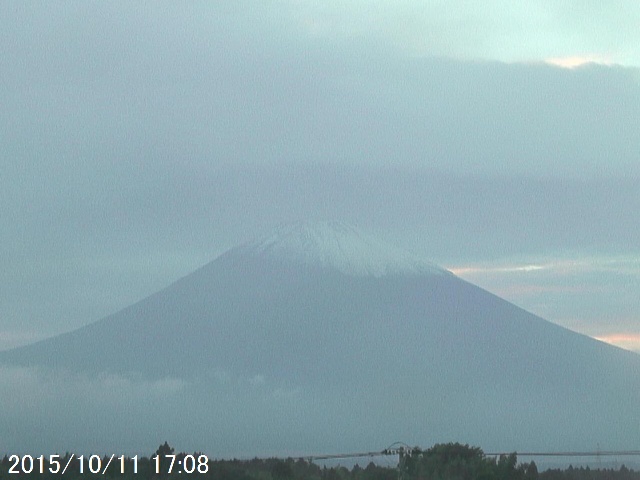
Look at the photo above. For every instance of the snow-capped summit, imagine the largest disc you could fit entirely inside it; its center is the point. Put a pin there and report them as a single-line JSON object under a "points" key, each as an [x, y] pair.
{"points": [[337, 245]]}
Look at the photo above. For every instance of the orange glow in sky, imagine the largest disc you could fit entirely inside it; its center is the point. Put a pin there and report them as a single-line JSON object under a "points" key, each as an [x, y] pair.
{"points": [[578, 60], [461, 271], [628, 341]]}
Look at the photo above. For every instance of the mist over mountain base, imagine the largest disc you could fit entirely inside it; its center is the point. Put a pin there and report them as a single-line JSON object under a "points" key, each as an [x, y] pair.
{"points": [[243, 417]]}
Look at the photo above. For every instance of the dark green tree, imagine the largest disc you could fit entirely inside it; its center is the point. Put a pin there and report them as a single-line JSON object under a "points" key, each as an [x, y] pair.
{"points": [[165, 463], [451, 461], [281, 470]]}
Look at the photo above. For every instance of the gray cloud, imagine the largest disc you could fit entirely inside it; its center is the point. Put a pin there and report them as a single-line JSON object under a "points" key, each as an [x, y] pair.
{"points": [[166, 90]]}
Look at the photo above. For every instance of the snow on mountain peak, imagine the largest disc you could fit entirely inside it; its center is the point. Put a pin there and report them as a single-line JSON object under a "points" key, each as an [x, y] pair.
{"points": [[340, 246]]}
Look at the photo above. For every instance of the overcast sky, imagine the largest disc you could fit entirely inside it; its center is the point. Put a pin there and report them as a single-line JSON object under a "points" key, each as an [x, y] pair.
{"points": [[139, 140]]}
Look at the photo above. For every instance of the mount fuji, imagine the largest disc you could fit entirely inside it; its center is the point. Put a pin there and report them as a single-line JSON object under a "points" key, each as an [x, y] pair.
{"points": [[320, 338]]}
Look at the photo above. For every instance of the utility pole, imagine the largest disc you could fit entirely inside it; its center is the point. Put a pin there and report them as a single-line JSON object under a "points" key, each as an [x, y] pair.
{"points": [[403, 457]]}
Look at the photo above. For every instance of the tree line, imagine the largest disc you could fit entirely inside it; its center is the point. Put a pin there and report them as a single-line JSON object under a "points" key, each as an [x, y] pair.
{"points": [[451, 461]]}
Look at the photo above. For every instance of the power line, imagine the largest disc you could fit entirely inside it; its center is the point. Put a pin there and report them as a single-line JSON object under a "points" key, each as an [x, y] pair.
{"points": [[332, 456], [613, 453], [405, 449]]}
